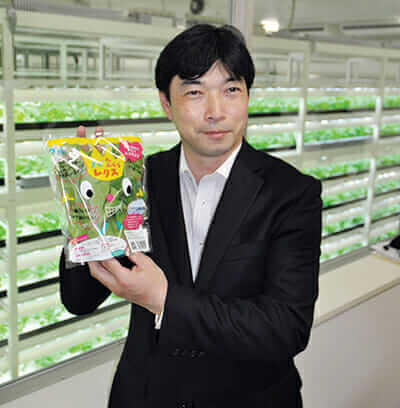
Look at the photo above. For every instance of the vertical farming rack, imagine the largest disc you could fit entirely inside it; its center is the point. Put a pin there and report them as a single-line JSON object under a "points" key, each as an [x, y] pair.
{"points": [[332, 110]]}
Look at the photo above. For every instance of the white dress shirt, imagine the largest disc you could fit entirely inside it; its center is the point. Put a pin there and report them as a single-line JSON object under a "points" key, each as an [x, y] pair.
{"points": [[199, 202]]}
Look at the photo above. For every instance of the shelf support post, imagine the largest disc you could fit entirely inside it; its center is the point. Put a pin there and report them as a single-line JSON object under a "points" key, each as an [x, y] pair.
{"points": [[102, 61], [376, 134], [302, 115], [110, 63], [379, 100], [369, 202], [11, 238], [84, 63], [241, 16], [63, 61]]}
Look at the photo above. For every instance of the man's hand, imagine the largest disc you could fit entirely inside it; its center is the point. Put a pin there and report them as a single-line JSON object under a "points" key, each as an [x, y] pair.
{"points": [[144, 284]]}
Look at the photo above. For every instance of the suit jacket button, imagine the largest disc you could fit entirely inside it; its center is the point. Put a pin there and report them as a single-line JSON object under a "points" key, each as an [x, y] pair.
{"points": [[186, 404]]}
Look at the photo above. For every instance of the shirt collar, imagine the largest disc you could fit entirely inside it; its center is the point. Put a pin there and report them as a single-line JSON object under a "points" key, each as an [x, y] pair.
{"points": [[224, 169]]}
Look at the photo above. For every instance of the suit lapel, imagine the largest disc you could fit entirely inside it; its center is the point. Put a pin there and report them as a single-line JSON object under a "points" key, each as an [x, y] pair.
{"points": [[239, 193], [169, 202]]}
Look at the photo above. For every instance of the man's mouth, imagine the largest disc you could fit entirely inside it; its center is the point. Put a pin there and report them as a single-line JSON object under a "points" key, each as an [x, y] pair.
{"points": [[216, 133]]}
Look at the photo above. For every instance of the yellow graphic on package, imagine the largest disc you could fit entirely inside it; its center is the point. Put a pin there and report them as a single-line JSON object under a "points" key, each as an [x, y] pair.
{"points": [[104, 158], [104, 167]]}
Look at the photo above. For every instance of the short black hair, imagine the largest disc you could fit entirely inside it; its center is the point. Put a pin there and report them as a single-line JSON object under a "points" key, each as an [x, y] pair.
{"points": [[192, 53]]}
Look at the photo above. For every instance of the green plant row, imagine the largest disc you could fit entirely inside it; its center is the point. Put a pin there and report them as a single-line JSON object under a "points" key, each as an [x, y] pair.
{"points": [[323, 103], [27, 165], [35, 274], [54, 314], [267, 141], [385, 212], [351, 167], [358, 193], [359, 220], [382, 237], [385, 236], [36, 112], [391, 101], [288, 139], [339, 252], [344, 197], [391, 129], [34, 224], [32, 274], [390, 160], [272, 105], [43, 318], [387, 186], [342, 225], [325, 135], [72, 351], [338, 169], [42, 222]]}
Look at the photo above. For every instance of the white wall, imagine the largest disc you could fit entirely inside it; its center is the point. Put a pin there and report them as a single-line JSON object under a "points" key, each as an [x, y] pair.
{"points": [[353, 361]]}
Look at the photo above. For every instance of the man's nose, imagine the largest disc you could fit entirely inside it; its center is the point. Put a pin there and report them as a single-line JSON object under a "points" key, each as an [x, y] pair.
{"points": [[214, 109]]}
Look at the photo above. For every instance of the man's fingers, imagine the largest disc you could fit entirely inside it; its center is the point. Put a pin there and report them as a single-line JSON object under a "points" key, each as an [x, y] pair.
{"points": [[137, 258], [99, 131], [99, 272], [81, 131], [114, 267]]}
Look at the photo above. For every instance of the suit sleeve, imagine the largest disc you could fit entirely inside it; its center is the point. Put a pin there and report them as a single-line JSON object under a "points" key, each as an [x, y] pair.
{"points": [[274, 325], [80, 292]]}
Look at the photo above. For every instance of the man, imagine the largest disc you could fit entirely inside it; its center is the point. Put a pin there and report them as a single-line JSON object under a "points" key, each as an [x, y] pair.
{"points": [[226, 299]]}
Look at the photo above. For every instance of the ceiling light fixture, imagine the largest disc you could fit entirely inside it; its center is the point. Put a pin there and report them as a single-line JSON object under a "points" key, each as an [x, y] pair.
{"points": [[270, 25]]}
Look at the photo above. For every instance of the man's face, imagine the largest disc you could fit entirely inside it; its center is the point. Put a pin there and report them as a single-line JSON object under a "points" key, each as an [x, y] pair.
{"points": [[210, 113]]}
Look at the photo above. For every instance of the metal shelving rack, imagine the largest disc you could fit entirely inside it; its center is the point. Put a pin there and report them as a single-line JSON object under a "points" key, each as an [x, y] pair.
{"points": [[100, 57], [100, 70], [305, 156]]}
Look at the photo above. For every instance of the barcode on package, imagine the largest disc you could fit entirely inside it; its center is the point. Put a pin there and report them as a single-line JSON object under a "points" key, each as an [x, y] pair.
{"points": [[138, 240]]}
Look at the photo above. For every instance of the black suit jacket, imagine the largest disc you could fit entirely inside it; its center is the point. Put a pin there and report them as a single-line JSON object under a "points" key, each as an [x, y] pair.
{"points": [[228, 339]]}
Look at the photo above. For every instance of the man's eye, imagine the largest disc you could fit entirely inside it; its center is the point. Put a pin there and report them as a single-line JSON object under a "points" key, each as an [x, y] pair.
{"points": [[233, 89], [193, 93]]}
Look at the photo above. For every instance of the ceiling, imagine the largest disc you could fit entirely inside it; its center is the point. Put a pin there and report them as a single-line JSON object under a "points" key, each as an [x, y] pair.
{"points": [[369, 20]]}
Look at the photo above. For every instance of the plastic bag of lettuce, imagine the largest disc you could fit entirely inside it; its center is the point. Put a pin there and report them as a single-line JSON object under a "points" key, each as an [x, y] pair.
{"points": [[100, 186]]}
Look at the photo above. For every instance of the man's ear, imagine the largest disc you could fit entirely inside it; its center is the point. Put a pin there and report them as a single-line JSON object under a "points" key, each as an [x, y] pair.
{"points": [[165, 104]]}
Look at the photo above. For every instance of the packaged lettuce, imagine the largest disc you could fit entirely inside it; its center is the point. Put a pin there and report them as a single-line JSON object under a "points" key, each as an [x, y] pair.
{"points": [[100, 185]]}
